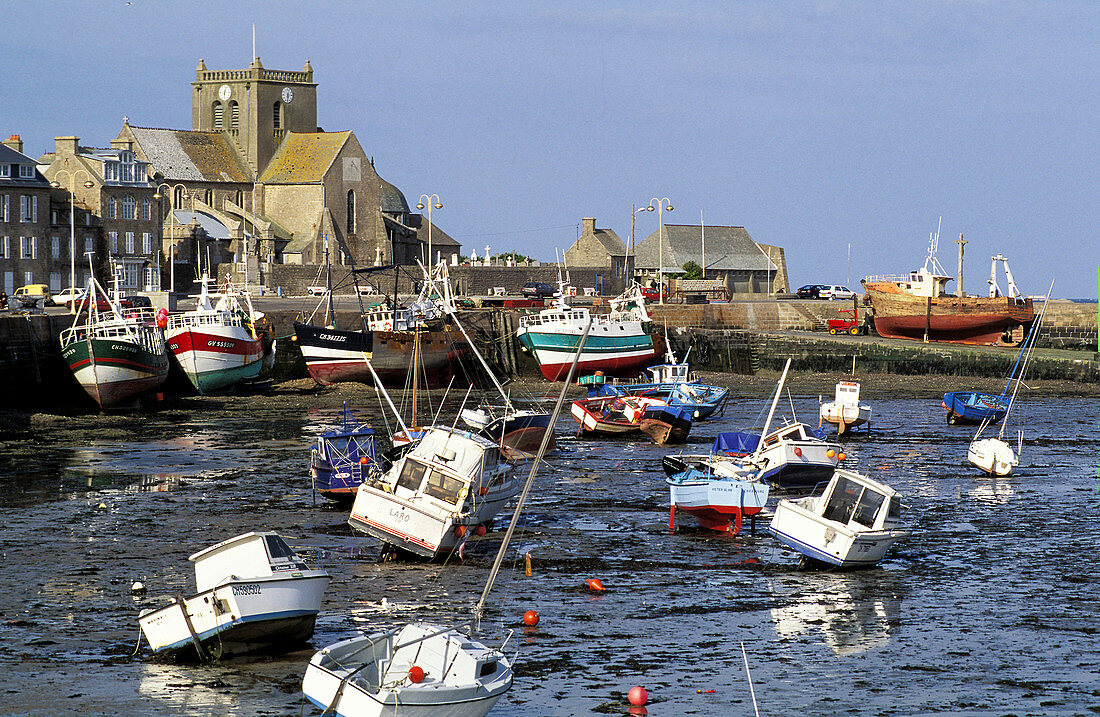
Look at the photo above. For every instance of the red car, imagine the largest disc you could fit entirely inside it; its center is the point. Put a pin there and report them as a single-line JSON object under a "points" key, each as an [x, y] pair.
{"points": [[103, 304], [649, 293]]}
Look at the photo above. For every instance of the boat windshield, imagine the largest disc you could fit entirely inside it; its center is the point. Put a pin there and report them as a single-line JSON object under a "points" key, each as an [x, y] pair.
{"points": [[277, 547], [842, 501], [412, 474], [894, 512], [438, 485], [868, 507]]}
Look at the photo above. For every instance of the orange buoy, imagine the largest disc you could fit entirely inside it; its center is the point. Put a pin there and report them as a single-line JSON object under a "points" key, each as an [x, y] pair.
{"points": [[637, 695], [841, 457], [364, 461], [798, 451], [830, 453], [460, 531], [530, 618], [416, 674], [595, 585]]}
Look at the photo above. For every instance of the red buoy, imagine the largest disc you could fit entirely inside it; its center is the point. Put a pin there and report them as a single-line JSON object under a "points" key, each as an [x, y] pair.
{"points": [[364, 461], [479, 531], [595, 585], [530, 618], [798, 451], [637, 695], [416, 674], [460, 531]]}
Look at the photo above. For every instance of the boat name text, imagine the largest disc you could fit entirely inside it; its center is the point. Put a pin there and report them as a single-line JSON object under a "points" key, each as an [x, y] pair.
{"points": [[247, 589]]}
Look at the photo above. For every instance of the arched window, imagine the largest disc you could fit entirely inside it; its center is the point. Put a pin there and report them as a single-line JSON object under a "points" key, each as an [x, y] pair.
{"points": [[277, 115], [177, 198], [145, 208], [351, 211], [240, 199], [218, 116], [209, 197], [112, 208], [234, 115], [128, 206]]}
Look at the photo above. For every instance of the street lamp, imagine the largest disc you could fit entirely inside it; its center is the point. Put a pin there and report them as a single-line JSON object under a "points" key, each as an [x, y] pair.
{"points": [[171, 206], [437, 205], [634, 211], [662, 204], [72, 224]]}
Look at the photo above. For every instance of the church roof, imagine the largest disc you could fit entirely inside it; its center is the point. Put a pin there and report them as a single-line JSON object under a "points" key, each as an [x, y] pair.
{"points": [[191, 156], [304, 157], [727, 249], [439, 237], [391, 199]]}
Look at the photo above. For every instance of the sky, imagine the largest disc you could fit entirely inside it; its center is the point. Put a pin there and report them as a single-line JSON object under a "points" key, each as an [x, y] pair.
{"points": [[845, 132]]}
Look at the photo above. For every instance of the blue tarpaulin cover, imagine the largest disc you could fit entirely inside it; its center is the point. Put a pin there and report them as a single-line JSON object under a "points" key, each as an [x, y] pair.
{"points": [[736, 442]]}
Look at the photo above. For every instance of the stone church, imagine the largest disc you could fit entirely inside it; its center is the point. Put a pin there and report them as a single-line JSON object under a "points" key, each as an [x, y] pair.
{"points": [[257, 183]]}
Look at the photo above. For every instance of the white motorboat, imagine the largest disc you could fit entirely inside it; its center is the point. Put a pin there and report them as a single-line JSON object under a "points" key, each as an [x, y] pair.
{"points": [[846, 411], [994, 455], [416, 670], [850, 525], [253, 593], [449, 483]]}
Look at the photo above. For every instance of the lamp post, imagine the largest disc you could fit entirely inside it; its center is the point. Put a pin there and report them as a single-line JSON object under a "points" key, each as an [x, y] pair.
{"points": [[171, 206], [661, 204], [634, 211], [72, 224], [420, 205]]}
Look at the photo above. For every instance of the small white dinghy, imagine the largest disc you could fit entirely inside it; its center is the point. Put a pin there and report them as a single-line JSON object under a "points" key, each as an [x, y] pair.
{"points": [[254, 593], [850, 525], [845, 411]]}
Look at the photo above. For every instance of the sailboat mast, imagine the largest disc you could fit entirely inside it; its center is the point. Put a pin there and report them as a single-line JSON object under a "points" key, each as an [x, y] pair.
{"points": [[1029, 345], [775, 400], [531, 476], [329, 314]]}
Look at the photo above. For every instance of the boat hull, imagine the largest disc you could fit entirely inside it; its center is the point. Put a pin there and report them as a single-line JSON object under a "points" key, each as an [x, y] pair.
{"points": [[714, 501], [623, 354], [805, 467], [845, 416], [239, 616], [827, 542], [115, 372], [972, 407], [521, 431], [216, 358], [967, 320], [992, 456], [337, 355], [589, 414]]}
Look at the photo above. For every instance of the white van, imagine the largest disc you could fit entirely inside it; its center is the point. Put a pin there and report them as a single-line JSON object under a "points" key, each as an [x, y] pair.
{"points": [[834, 291]]}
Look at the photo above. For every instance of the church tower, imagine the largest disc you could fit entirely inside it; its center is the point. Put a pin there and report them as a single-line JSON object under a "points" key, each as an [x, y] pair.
{"points": [[256, 107]]}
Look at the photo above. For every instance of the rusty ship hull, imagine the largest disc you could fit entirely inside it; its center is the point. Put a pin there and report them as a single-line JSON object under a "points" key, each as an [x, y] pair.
{"points": [[965, 320]]}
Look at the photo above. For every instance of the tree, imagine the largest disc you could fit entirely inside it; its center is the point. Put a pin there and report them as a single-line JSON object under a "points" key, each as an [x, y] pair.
{"points": [[692, 270]]}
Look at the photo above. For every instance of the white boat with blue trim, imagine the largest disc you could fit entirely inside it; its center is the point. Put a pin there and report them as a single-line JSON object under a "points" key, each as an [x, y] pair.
{"points": [[253, 593]]}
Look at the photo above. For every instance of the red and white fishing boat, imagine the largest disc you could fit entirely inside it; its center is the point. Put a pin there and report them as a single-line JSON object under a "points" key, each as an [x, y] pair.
{"points": [[612, 415], [219, 345]]}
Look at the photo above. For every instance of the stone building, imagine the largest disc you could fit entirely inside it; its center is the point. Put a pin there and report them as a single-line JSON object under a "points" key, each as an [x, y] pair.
{"points": [[31, 250], [728, 254], [600, 248], [113, 185]]}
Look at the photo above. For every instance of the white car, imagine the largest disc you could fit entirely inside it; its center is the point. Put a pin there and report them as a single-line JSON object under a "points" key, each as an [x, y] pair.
{"points": [[834, 291], [317, 290], [67, 295]]}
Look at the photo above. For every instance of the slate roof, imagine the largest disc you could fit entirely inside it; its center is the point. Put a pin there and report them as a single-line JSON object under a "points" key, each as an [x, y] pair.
{"points": [[189, 156], [214, 229], [611, 242], [304, 157], [391, 199], [728, 249], [10, 156], [439, 237]]}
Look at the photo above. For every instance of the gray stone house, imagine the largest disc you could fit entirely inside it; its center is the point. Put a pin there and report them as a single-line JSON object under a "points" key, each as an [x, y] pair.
{"points": [[601, 248], [728, 254], [31, 247]]}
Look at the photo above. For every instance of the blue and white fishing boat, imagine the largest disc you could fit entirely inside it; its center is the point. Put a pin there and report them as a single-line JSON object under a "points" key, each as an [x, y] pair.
{"points": [[344, 457], [714, 493], [253, 593], [986, 408]]}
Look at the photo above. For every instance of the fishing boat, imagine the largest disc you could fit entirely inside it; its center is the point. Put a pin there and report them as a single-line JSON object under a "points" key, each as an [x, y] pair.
{"points": [[611, 412], [519, 429], [219, 345], [619, 344], [388, 340], [446, 486], [674, 383], [421, 669], [666, 424], [850, 525], [845, 411], [253, 593], [712, 496], [918, 306], [994, 455], [116, 355], [666, 376], [344, 457]]}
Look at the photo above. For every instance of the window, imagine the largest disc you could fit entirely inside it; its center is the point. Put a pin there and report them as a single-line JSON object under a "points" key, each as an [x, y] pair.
{"points": [[240, 199], [5, 171], [146, 243], [9, 281], [5, 248], [4, 208], [112, 208], [152, 278], [177, 197], [55, 248], [28, 208], [28, 277], [28, 248], [53, 216], [127, 172], [89, 245], [234, 115], [55, 281], [26, 171], [145, 208], [128, 206], [218, 116], [87, 219], [867, 508], [277, 115], [131, 276], [351, 211], [129, 242], [208, 197], [444, 487], [110, 171], [112, 242], [411, 475]]}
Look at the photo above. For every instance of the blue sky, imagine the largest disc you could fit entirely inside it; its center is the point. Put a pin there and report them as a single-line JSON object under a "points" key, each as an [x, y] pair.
{"points": [[815, 125]]}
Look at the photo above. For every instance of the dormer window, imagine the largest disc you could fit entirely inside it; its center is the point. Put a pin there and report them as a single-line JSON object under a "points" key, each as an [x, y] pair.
{"points": [[26, 171]]}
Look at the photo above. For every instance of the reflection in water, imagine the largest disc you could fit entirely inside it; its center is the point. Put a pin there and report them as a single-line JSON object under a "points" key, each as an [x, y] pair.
{"points": [[992, 491], [176, 687], [852, 616]]}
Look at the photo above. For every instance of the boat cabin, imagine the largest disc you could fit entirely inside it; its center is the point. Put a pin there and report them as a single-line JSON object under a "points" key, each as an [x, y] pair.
{"points": [[252, 555], [672, 373], [445, 465], [922, 282], [847, 393], [793, 432], [852, 498]]}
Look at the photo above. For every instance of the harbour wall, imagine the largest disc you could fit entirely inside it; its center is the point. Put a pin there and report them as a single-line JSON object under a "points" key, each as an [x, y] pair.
{"points": [[740, 338]]}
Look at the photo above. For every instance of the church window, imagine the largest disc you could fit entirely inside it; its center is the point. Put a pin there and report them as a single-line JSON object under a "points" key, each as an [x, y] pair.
{"points": [[177, 200], [234, 115], [218, 116], [351, 211], [277, 115]]}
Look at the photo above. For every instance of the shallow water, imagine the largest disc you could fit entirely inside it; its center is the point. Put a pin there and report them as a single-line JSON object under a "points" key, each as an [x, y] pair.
{"points": [[987, 609]]}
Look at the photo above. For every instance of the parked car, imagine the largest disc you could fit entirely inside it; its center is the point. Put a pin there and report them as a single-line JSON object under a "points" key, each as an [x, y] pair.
{"points": [[102, 304], [537, 290], [138, 302], [649, 293], [65, 296], [33, 291], [317, 290], [809, 291], [834, 291]]}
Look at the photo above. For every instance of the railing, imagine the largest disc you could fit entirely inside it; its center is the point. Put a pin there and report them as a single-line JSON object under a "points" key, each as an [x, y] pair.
{"points": [[214, 318]]}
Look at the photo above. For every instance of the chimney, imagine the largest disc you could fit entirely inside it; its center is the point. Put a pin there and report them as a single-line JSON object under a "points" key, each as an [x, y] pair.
{"points": [[67, 145], [589, 226], [15, 143]]}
